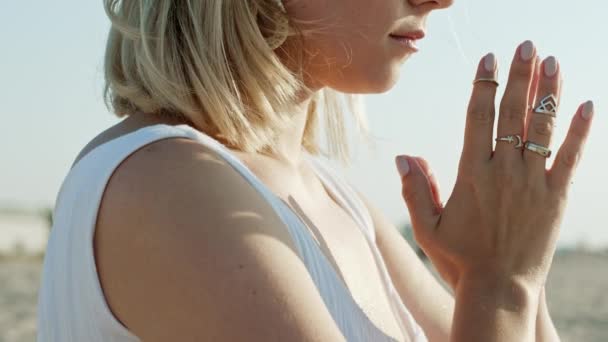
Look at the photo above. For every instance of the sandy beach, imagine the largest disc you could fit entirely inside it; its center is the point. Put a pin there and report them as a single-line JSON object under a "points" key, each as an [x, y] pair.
{"points": [[576, 290]]}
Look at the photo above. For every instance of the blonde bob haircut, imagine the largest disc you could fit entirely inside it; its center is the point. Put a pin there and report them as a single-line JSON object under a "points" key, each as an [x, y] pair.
{"points": [[207, 61]]}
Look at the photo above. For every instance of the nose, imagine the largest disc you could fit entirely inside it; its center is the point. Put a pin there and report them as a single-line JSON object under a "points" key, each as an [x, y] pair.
{"points": [[432, 4]]}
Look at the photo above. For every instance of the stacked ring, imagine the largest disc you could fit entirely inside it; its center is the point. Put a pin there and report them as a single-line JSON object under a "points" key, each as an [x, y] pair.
{"points": [[547, 106], [536, 148]]}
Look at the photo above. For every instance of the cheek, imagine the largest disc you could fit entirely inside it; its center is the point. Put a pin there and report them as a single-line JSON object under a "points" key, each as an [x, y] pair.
{"points": [[354, 54], [357, 65]]}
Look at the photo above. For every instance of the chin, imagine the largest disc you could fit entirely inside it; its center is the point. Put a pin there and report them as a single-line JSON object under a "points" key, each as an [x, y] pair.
{"points": [[386, 84], [370, 81]]}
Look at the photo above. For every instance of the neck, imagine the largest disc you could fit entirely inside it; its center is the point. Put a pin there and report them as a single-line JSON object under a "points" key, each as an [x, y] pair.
{"points": [[289, 140]]}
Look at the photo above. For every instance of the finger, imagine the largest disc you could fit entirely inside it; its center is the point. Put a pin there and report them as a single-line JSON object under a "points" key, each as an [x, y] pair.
{"points": [[541, 126], [533, 91], [570, 152], [480, 113], [418, 195], [535, 80], [514, 104], [428, 172]]}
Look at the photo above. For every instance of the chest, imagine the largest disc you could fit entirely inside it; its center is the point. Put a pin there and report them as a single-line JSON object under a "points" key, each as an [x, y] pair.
{"points": [[341, 240], [339, 237]]}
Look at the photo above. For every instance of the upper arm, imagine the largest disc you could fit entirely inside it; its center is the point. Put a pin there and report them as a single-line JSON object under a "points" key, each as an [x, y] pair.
{"points": [[188, 251], [430, 304]]}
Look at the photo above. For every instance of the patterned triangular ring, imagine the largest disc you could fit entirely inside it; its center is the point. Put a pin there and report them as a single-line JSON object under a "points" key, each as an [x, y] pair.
{"points": [[547, 106]]}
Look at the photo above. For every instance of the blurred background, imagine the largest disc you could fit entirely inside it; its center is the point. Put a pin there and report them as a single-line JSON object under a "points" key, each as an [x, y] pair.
{"points": [[52, 105]]}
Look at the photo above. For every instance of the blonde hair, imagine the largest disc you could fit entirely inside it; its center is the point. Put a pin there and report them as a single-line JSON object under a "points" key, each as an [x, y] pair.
{"points": [[207, 61]]}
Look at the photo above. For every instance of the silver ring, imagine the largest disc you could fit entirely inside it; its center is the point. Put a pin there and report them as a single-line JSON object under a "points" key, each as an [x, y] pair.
{"points": [[538, 149], [516, 138], [547, 106]]}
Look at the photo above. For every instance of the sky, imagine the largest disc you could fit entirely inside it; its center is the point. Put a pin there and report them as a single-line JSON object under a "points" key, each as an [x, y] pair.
{"points": [[51, 94]]}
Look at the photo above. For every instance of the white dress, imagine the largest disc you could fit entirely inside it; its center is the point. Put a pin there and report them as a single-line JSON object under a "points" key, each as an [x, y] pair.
{"points": [[71, 304]]}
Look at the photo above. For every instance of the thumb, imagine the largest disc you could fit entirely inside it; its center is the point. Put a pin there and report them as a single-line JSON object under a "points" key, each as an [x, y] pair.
{"points": [[417, 191], [426, 169]]}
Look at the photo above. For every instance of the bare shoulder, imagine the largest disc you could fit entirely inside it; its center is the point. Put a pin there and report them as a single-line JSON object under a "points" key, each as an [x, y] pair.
{"points": [[187, 250]]}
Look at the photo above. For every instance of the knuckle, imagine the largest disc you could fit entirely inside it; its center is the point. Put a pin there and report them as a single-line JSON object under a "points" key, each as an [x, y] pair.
{"points": [[569, 158], [481, 116], [578, 132], [521, 73], [543, 128], [512, 113], [509, 177], [506, 179], [409, 194]]}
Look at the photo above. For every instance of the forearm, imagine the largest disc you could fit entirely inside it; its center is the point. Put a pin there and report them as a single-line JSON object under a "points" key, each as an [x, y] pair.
{"points": [[492, 310], [545, 330]]}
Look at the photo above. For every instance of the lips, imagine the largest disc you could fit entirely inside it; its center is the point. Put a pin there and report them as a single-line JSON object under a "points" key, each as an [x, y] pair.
{"points": [[406, 42], [407, 38], [413, 35]]}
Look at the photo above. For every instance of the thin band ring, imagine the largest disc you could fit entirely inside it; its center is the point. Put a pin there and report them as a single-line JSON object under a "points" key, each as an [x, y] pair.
{"points": [[515, 138], [484, 79]]}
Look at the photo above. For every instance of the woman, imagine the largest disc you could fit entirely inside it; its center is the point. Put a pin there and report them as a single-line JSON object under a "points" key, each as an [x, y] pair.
{"points": [[205, 215]]}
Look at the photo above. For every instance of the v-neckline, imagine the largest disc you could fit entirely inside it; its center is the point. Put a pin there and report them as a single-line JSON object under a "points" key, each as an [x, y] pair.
{"points": [[336, 197]]}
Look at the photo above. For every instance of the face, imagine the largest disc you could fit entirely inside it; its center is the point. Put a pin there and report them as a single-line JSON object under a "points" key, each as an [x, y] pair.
{"points": [[357, 46]]}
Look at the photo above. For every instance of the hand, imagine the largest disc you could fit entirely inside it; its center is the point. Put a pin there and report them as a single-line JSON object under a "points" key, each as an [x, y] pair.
{"points": [[503, 216]]}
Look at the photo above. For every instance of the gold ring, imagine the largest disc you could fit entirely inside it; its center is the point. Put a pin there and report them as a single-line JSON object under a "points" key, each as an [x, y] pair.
{"points": [[484, 79], [539, 149]]}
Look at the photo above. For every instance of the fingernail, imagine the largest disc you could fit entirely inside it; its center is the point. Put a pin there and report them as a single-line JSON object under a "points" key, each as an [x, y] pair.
{"points": [[587, 112], [489, 62], [526, 50], [403, 166], [550, 66]]}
